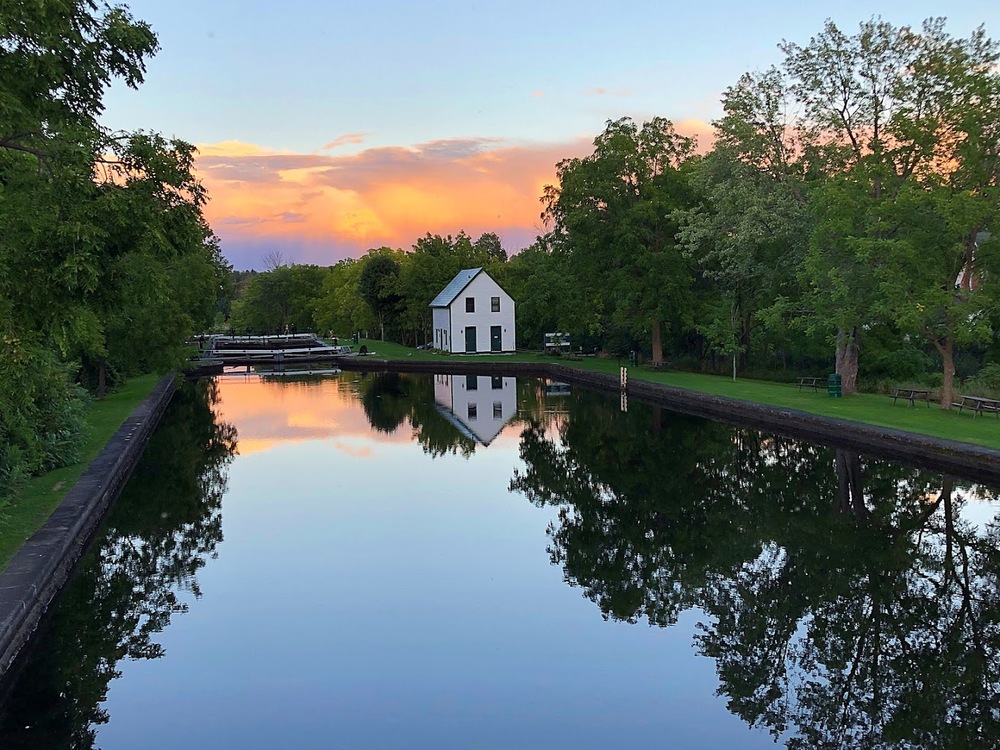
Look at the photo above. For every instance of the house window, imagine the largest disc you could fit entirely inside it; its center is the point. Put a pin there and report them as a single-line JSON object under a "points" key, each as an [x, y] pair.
{"points": [[470, 304], [472, 412], [497, 410], [495, 304], [497, 383], [472, 382]]}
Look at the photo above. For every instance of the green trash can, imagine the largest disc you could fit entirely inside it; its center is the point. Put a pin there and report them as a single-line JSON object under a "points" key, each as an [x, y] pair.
{"points": [[833, 385]]}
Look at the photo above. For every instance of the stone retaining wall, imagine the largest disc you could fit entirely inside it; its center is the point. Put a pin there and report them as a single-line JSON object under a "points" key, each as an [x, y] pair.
{"points": [[39, 569]]}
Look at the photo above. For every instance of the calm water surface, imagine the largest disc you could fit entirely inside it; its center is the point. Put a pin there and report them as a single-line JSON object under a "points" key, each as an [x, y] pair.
{"points": [[393, 561]]}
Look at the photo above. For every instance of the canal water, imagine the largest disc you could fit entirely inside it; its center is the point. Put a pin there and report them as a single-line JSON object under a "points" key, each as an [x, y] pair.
{"points": [[395, 561]]}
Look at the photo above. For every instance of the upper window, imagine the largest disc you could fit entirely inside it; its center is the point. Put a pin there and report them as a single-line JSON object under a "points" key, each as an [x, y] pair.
{"points": [[495, 304], [470, 304]]}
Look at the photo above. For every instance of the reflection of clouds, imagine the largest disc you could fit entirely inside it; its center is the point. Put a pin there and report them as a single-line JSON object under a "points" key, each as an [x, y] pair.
{"points": [[389, 195], [270, 414]]}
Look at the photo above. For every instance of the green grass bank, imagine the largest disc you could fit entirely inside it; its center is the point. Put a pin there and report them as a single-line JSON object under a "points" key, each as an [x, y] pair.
{"points": [[23, 516]]}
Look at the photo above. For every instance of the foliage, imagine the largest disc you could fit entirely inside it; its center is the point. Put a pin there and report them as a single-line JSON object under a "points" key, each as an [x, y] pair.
{"points": [[613, 213], [106, 262], [42, 424]]}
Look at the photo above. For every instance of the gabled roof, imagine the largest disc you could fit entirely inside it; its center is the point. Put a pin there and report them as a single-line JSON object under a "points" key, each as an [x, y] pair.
{"points": [[455, 287]]}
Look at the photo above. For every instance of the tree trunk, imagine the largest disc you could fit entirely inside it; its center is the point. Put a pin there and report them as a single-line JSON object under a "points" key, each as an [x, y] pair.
{"points": [[102, 380], [850, 485], [947, 357], [848, 349], [657, 342], [745, 328]]}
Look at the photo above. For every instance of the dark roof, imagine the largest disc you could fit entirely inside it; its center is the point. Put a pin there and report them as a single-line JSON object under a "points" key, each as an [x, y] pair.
{"points": [[455, 287]]}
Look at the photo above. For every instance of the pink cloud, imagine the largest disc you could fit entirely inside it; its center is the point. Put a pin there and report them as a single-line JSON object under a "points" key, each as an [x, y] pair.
{"points": [[348, 139]]}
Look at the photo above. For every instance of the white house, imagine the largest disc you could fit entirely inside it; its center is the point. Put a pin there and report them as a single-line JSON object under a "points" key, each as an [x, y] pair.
{"points": [[477, 405], [473, 314]]}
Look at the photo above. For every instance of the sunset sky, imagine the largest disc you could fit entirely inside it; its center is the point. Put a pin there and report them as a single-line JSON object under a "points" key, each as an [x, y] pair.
{"points": [[327, 128]]}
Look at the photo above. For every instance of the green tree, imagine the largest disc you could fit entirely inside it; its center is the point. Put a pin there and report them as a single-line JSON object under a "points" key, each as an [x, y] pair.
{"points": [[747, 239], [540, 279], [340, 308], [379, 285], [614, 210], [285, 296], [892, 112]]}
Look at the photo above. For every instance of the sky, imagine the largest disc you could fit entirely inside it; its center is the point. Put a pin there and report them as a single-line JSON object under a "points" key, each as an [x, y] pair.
{"points": [[328, 128]]}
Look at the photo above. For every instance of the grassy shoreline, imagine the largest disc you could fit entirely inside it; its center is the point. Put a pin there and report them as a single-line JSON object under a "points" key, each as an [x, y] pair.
{"points": [[41, 495]]}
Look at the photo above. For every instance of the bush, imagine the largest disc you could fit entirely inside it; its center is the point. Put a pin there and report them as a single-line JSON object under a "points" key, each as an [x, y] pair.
{"points": [[42, 413], [986, 383]]}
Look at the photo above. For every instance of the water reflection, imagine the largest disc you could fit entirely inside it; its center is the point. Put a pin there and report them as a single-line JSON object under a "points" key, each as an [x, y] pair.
{"points": [[479, 406], [448, 414], [846, 601], [141, 573], [850, 602]]}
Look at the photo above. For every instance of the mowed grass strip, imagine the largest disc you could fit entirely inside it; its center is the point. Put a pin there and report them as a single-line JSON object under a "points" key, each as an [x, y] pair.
{"points": [[25, 514], [863, 407]]}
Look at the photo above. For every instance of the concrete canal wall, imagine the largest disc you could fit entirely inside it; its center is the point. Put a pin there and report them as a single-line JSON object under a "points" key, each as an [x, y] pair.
{"points": [[40, 568], [947, 456]]}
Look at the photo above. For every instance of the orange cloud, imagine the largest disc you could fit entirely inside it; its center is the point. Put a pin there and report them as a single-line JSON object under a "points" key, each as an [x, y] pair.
{"points": [[323, 207]]}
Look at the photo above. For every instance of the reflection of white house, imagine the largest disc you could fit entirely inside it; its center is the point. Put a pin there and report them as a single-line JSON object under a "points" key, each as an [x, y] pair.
{"points": [[477, 405], [473, 314]]}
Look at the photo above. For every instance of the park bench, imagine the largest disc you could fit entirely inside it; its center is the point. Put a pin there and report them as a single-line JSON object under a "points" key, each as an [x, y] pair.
{"points": [[814, 383], [978, 405], [911, 395]]}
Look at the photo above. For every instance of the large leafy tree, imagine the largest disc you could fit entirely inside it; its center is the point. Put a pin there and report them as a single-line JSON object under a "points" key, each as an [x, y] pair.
{"points": [[746, 238], [103, 233], [614, 210], [379, 285], [880, 116]]}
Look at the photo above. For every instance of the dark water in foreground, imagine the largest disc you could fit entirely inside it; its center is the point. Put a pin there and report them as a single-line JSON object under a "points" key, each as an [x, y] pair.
{"points": [[416, 562]]}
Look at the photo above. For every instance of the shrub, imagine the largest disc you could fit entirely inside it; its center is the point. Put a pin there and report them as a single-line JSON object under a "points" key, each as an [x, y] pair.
{"points": [[42, 413]]}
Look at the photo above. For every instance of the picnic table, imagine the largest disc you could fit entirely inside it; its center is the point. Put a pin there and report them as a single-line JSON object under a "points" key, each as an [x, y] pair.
{"points": [[978, 404], [814, 383], [911, 395]]}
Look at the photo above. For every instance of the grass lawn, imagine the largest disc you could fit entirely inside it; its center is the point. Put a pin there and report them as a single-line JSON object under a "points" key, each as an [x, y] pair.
{"points": [[26, 513], [864, 407]]}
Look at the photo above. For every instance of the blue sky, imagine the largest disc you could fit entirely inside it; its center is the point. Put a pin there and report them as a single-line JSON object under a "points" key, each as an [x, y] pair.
{"points": [[341, 80]]}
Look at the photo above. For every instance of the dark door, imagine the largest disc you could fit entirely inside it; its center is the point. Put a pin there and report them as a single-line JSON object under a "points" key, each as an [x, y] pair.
{"points": [[495, 345], [470, 338]]}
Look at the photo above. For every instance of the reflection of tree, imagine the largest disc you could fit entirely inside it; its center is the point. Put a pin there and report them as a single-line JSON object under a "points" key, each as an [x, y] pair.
{"points": [[160, 533], [630, 532], [386, 400], [850, 604], [391, 398]]}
